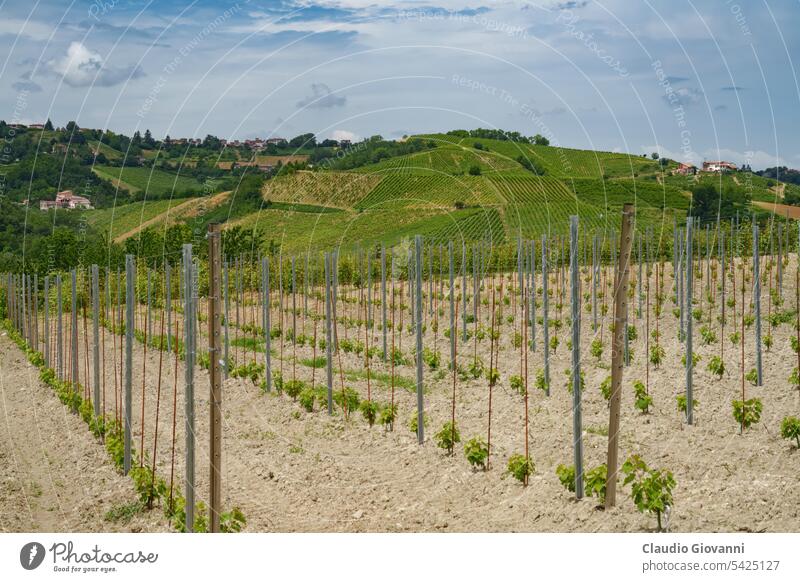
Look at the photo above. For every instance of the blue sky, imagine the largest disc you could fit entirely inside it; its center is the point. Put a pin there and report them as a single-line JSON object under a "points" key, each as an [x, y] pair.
{"points": [[693, 80]]}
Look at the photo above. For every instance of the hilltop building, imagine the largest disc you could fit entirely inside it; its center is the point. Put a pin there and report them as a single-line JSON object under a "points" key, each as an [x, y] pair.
{"points": [[685, 169], [65, 200], [719, 167]]}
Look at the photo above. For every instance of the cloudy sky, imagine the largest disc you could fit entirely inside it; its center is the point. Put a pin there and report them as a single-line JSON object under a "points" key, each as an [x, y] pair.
{"points": [[692, 79]]}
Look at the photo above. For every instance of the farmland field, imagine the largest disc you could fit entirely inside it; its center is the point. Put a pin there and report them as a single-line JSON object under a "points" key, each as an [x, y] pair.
{"points": [[124, 218], [147, 180], [429, 191], [448, 160], [287, 462], [335, 189], [567, 162]]}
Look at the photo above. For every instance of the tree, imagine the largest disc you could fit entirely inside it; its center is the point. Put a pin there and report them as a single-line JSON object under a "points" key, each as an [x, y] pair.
{"points": [[305, 140], [539, 139], [708, 203], [531, 165], [48, 125], [474, 170], [654, 155]]}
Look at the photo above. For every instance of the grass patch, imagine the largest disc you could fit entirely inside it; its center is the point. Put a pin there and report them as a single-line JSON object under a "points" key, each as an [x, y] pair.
{"points": [[124, 513]]}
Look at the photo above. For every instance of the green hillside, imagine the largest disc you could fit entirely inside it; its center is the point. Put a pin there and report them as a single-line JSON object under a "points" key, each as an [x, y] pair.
{"points": [[452, 188], [148, 181]]}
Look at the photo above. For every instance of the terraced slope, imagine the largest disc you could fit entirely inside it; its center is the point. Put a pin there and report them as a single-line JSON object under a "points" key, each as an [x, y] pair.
{"points": [[335, 189], [562, 162], [446, 160], [430, 191]]}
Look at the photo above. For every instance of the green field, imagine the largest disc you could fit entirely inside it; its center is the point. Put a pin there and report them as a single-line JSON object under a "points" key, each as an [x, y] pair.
{"points": [[445, 160], [149, 181], [561, 162], [101, 148], [433, 193], [127, 217], [430, 191]]}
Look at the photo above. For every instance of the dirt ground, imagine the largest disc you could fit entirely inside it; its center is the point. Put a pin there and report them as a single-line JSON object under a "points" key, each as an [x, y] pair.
{"points": [[289, 470], [54, 475]]}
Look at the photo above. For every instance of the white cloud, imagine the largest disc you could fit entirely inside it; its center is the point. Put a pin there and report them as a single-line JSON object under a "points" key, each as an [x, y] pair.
{"points": [[340, 134], [82, 67], [29, 28]]}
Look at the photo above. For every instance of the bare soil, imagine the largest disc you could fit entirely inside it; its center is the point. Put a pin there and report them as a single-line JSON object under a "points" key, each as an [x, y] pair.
{"points": [[289, 470]]}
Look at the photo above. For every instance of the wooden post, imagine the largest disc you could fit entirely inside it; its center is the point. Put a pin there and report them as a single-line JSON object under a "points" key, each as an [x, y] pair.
{"points": [[620, 309], [214, 359]]}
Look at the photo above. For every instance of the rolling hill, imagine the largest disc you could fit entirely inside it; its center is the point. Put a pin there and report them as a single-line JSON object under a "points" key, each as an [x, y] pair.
{"points": [[470, 188]]}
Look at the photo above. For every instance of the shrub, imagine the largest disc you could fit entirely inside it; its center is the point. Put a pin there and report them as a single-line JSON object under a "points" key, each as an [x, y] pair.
{"points": [[566, 474], [477, 451], [347, 400], [794, 378], [541, 384], [594, 483], [431, 358], [747, 413], [388, 416], [643, 400], [716, 366], [681, 400], [369, 409], [412, 422], [657, 354], [517, 384], [294, 387], [569, 375], [476, 368], [597, 348], [651, 489], [790, 429], [521, 467], [306, 398], [708, 335], [447, 437], [695, 359], [605, 388]]}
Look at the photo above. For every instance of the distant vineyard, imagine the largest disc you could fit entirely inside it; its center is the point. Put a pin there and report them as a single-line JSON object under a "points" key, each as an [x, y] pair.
{"points": [[338, 189], [429, 191], [124, 218], [445, 160], [604, 193], [565, 162], [150, 181], [541, 205]]}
